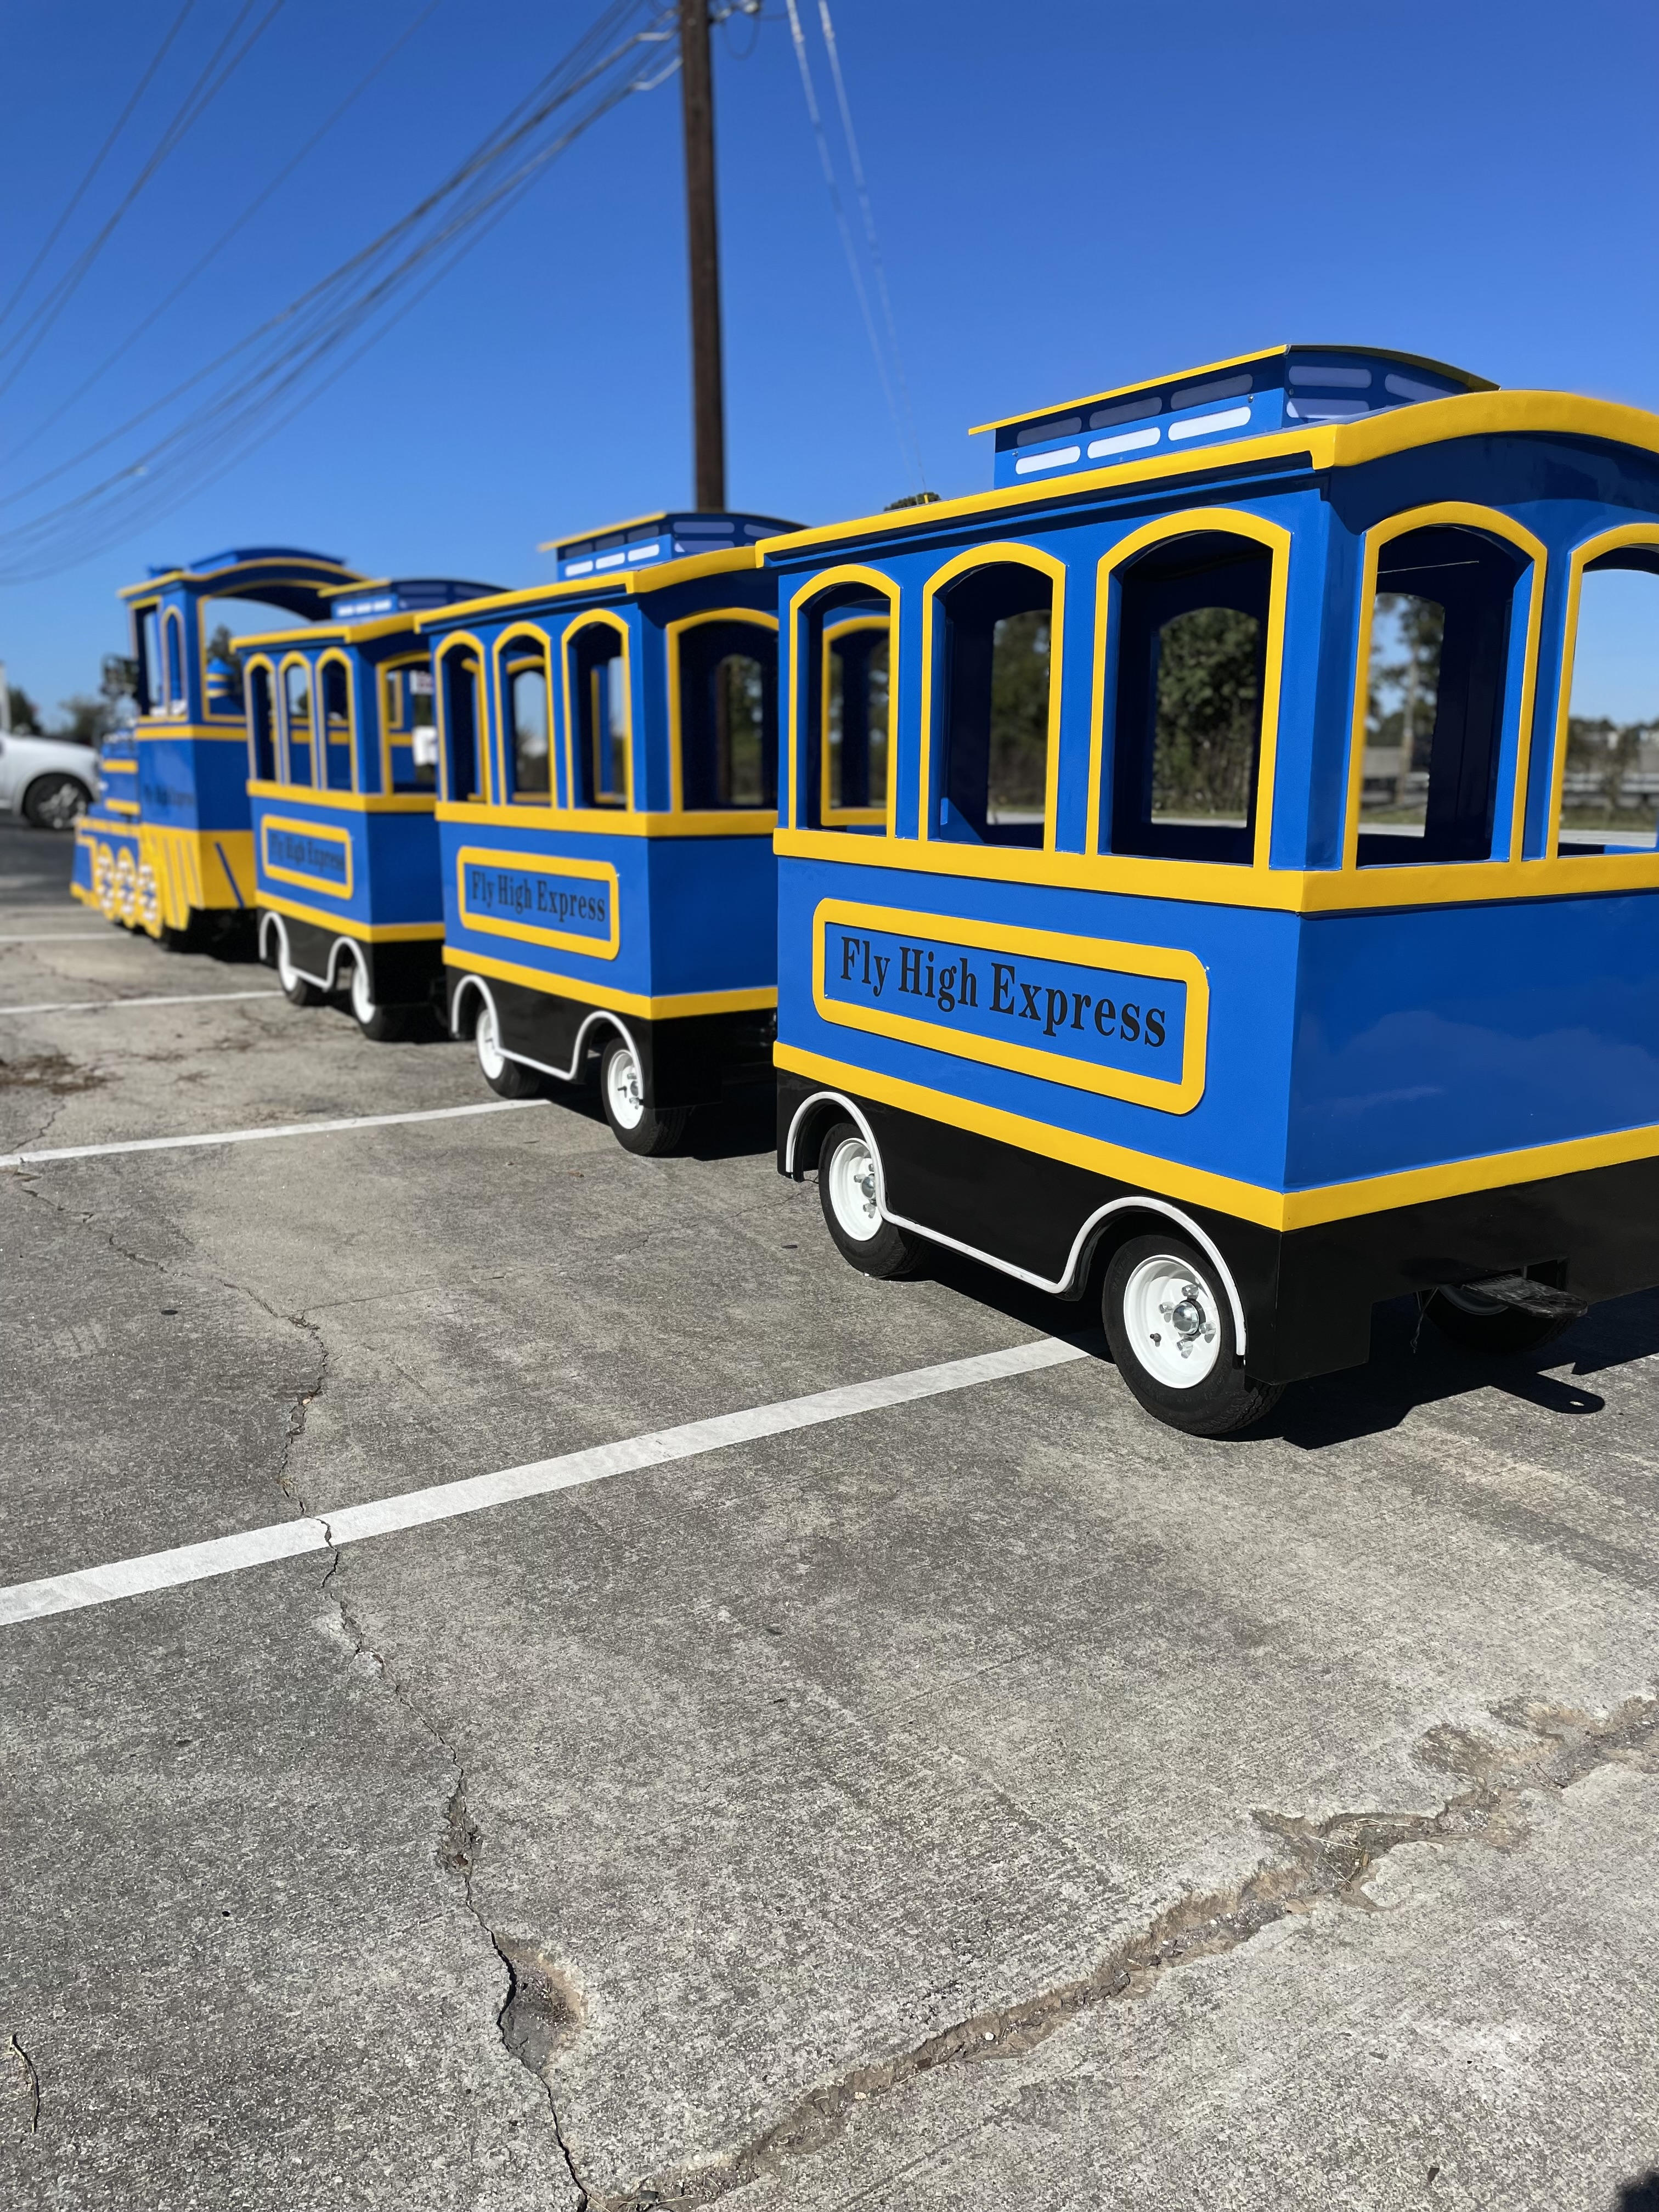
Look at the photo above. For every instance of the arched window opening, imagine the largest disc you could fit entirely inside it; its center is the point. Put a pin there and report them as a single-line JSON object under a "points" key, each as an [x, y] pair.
{"points": [[337, 724], [1192, 644], [523, 696], [262, 749], [173, 628], [598, 687], [461, 720], [1434, 710], [728, 715], [1610, 777], [296, 720], [147, 652], [408, 702], [844, 695], [856, 709], [994, 707]]}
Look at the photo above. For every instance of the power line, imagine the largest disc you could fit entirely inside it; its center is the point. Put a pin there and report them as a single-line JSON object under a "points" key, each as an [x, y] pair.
{"points": [[98, 159], [876, 262], [845, 229], [196, 103], [148, 322], [314, 329]]}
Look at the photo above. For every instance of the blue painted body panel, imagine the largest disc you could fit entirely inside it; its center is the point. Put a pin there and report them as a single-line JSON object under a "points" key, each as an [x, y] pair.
{"points": [[393, 870]]}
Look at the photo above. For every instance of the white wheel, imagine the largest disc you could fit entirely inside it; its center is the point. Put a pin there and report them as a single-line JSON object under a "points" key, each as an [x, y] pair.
{"points": [[850, 1179], [1171, 1317], [492, 1060], [363, 1003], [624, 1098], [295, 988]]}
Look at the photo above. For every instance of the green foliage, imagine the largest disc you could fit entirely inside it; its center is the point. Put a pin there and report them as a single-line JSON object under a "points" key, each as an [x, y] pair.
{"points": [[25, 714], [1209, 714], [1018, 778], [1404, 694], [1601, 754]]}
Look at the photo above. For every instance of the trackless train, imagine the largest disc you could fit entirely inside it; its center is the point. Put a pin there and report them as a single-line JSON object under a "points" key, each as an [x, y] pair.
{"points": [[1200, 870]]}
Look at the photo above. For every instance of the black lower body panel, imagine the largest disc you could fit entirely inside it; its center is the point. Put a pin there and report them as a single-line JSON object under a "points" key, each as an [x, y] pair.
{"points": [[690, 1060], [403, 973], [1307, 1293]]}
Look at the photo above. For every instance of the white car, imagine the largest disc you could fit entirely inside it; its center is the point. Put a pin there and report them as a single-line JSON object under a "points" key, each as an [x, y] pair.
{"points": [[51, 782]]}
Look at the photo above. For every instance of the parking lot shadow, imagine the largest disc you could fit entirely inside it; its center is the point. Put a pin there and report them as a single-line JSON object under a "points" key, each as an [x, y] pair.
{"points": [[1413, 1364]]}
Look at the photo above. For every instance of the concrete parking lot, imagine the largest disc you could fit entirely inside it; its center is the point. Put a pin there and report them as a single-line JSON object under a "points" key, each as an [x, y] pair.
{"points": [[962, 1794]]}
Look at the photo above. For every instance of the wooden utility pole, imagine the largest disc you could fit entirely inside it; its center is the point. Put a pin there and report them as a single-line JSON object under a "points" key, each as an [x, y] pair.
{"points": [[702, 239]]}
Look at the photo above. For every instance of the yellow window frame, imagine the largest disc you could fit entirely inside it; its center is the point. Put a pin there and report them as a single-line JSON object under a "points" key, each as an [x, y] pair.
{"points": [[319, 714], [600, 618], [800, 611], [1222, 521], [1645, 534], [1461, 515], [506, 665], [264, 663], [177, 704], [463, 641], [286, 756], [1008, 553], [674, 632]]}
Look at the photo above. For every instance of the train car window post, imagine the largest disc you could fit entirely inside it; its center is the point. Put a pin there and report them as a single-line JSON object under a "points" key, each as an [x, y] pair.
{"points": [[599, 720], [996, 709], [335, 689], [147, 651], [262, 750], [461, 719], [1608, 751], [296, 720], [726, 672], [1439, 648], [525, 711], [408, 713], [174, 627]]}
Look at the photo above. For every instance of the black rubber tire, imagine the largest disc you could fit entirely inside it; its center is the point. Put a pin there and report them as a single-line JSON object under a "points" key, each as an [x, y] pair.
{"points": [[1497, 1333], [55, 801], [891, 1253], [385, 1025], [1228, 1400], [659, 1130], [299, 993]]}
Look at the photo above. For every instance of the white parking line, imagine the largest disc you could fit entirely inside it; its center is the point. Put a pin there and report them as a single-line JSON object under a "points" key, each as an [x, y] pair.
{"points": [[99, 1005], [446, 1501], [258, 1136], [60, 937]]}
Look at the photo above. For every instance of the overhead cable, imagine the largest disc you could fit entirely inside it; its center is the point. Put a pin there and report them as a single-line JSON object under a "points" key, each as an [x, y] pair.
{"points": [[845, 229], [97, 160], [124, 349], [201, 95]]}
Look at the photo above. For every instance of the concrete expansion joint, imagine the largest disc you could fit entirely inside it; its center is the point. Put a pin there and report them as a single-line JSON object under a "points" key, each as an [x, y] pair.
{"points": [[1317, 1863], [28, 2084]]}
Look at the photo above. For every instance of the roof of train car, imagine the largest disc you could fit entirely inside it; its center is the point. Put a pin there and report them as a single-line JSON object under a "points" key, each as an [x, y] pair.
{"points": [[1316, 445], [660, 576], [671, 533], [286, 576], [1151, 384]]}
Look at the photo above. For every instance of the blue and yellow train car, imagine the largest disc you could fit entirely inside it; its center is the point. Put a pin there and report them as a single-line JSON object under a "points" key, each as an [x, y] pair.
{"points": [[169, 847], [1260, 913], [342, 781], [608, 763]]}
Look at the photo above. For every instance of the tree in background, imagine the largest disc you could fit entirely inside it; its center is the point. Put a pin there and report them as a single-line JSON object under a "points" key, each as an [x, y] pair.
{"points": [[1405, 693], [25, 714], [1209, 711], [1019, 770]]}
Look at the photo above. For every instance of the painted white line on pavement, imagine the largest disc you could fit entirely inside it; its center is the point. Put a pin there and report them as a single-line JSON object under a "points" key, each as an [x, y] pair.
{"points": [[445, 1501], [60, 937], [258, 1136], [100, 1005]]}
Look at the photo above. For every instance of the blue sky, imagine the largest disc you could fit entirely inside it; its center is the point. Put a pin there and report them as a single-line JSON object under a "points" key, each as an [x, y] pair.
{"points": [[1070, 195]]}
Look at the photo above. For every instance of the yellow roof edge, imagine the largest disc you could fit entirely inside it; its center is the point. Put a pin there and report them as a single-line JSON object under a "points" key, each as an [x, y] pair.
{"points": [[632, 582], [1238, 360], [204, 575], [1330, 445]]}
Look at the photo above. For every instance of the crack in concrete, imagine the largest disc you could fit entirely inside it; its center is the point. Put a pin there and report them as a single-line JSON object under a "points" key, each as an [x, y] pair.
{"points": [[1319, 1862], [540, 2003], [31, 2082]]}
